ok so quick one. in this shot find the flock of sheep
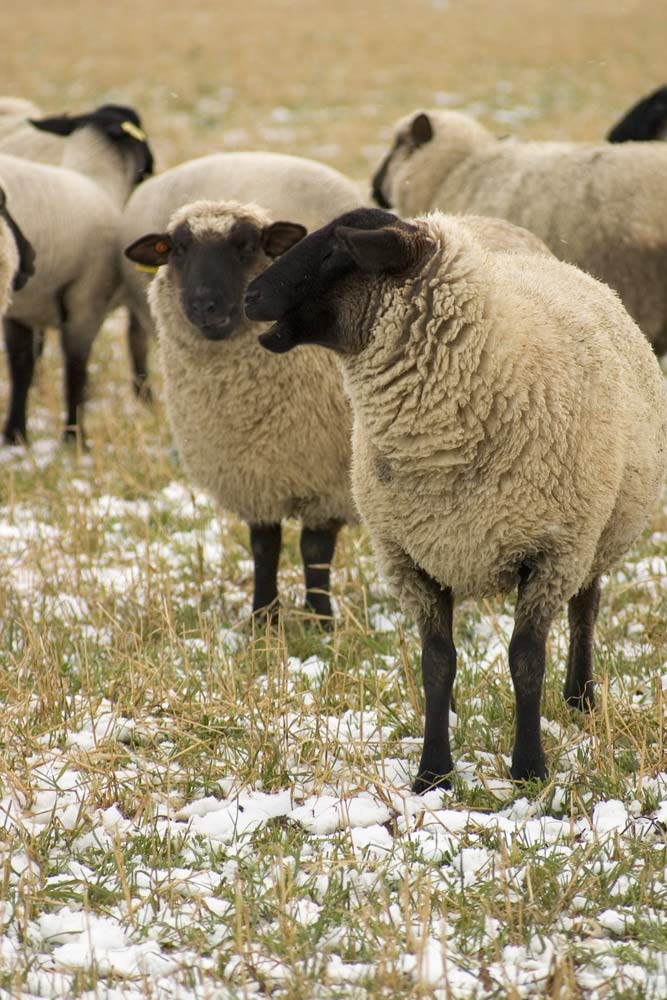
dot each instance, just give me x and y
(478, 388)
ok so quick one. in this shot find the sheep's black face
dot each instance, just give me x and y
(419, 132)
(317, 289)
(213, 274)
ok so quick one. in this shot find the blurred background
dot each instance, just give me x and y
(328, 79)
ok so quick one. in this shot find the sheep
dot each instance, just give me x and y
(17, 257)
(646, 120)
(287, 185)
(71, 218)
(510, 427)
(268, 439)
(597, 206)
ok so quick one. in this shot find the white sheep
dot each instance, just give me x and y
(71, 219)
(599, 206)
(510, 430)
(289, 186)
(268, 438)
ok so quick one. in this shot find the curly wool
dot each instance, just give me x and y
(506, 411)
(267, 436)
(598, 206)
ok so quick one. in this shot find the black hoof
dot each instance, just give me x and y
(266, 614)
(583, 702)
(529, 770)
(321, 610)
(11, 437)
(426, 781)
(143, 391)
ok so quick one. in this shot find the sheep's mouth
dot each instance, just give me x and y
(277, 339)
(221, 328)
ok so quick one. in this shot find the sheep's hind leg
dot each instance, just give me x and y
(438, 673)
(265, 542)
(317, 551)
(582, 614)
(76, 349)
(21, 362)
(527, 656)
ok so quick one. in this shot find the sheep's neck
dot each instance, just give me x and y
(89, 153)
(420, 388)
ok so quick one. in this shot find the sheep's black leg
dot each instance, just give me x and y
(582, 613)
(21, 363)
(527, 656)
(265, 540)
(438, 673)
(317, 550)
(137, 341)
(76, 371)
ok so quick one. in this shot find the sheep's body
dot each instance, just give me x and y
(71, 218)
(510, 429)
(289, 187)
(267, 437)
(529, 420)
(72, 226)
(600, 207)
(9, 262)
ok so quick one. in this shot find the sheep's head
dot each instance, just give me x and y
(120, 124)
(212, 250)
(321, 291)
(26, 253)
(410, 135)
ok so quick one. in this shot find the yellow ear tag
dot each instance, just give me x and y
(148, 268)
(133, 130)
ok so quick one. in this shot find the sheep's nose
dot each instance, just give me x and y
(251, 296)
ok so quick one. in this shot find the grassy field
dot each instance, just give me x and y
(188, 809)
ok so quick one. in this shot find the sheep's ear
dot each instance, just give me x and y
(150, 252)
(278, 237)
(57, 124)
(380, 251)
(421, 130)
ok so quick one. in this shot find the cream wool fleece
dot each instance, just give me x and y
(9, 263)
(267, 436)
(599, 206)
(506, 409)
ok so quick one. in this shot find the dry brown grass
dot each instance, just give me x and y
(344, 70)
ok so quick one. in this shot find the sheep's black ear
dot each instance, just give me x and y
(57, 124)
(150, 252)
(421, 130)
(389, 250)
(280, 236)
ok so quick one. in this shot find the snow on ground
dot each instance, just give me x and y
(144, 882)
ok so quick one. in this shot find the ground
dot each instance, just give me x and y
(188, 809)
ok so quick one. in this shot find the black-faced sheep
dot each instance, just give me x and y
(510, 431)
(600, 207)
(268, 438)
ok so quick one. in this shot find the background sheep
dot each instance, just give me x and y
(14, 115)
(17, 257)
(289, 186)
(597, 206)
(268, 438)
(645, 121)
(71, 220)
(509, 430)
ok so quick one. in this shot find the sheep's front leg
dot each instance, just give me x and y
(438, 673)
(138, 338)
(582, 613)
(527, 656)
(265, 542)
(76, 345)
(317, 551)
(21, 363)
